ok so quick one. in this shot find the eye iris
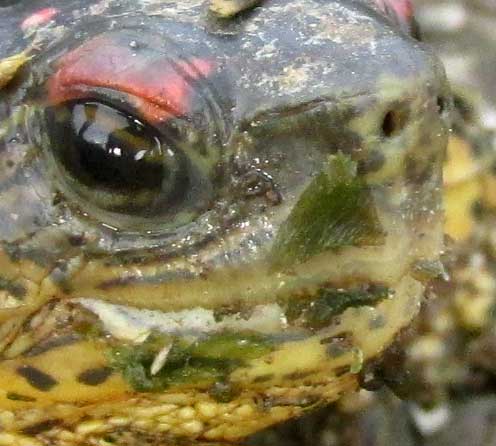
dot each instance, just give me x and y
(115, 154)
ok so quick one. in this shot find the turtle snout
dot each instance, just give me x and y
(402, 127)
(379, 179)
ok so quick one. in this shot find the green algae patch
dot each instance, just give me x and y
(334, 211)
(204, 362)
(233, 346)
(318, 312)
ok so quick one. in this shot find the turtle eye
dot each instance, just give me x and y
(116, 161)
(105, 147)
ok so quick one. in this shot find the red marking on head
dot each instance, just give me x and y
(39, 18)
(158, 87)
(403, 9)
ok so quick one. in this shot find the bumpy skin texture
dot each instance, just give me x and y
(305, 141)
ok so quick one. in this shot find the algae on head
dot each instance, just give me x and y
(318, 312)
(334, 211)
(203, 362)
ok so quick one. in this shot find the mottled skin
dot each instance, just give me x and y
(451, 363)
(276, 113)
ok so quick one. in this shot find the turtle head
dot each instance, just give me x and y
(238, 208)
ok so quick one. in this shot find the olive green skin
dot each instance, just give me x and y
(297, 85)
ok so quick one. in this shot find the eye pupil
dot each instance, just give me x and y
(114, 150)
(118, 153)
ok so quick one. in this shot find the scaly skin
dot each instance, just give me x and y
(208, 225)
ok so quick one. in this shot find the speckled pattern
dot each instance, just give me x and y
(305, 139)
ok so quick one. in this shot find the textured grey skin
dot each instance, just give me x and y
(302, 62)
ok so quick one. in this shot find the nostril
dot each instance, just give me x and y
(395, 121)
(441, 104)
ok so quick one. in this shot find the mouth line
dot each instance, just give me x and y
(247, 287)
(294, 318)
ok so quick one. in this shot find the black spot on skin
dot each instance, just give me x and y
(299, 374)
(263, 378)
(18, 397)
(52, 343)
(36, 378)
(38, 428)
(340, 371)
(77, 240)
(338, 345)
(156, 279)
(94, 377)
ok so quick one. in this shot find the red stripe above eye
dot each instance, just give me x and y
(39, 18)
(158, 88)
(402, 8)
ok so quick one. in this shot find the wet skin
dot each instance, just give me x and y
(208, 225)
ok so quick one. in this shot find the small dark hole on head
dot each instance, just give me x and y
(394, 121)
(441, 104)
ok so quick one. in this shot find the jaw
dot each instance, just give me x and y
(291, 357)
(280, 380)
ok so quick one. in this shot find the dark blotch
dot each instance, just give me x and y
(442, 104)
(38, 379)
(300, 374)
(338, 345)
(94, 377)
(12, 396)
(38, 428)
(395, 120)
(263, 378)
(223, 391)
(52, 343)
(77, 240)
(340, 371)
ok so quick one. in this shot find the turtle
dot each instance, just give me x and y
(215, 215)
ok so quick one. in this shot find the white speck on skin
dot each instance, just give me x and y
(160, 359)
